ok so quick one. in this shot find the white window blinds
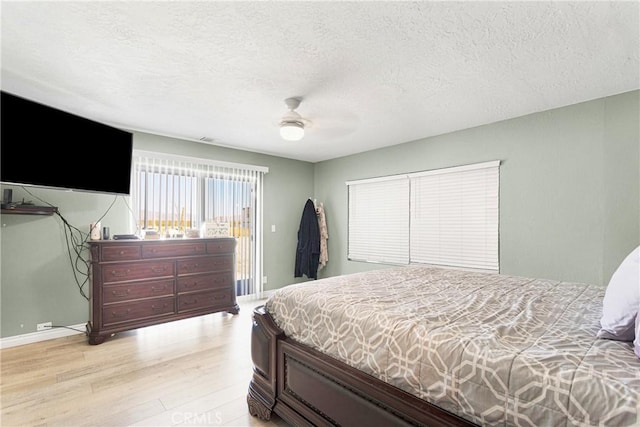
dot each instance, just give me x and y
(379, 220)
(454, 217)
(444, 217)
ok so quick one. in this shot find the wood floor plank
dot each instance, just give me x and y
(189, 372)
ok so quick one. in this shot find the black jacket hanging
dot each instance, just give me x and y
(308, 250)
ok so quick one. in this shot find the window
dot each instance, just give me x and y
(378, 220)
(444, 217)
(176, 195)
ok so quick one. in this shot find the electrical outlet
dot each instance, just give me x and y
(43, 326)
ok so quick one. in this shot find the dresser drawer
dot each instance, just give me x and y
(137, 290)
(173, 249)
(121, 252)
(205, 264)
(221, 246)
(131, 311)
(201, 282)
(204, 300)
(138, 270)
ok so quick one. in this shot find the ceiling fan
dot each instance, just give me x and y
(292, 124)
(329, 121)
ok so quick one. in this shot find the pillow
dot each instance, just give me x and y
(621, 300)
(636, 343)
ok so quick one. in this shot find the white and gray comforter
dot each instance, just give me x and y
(494, 349)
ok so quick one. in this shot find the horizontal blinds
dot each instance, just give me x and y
(454, 217)
(379, 221)
(443, 217)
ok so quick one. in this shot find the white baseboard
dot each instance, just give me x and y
(254, 297)
(267, 294)
(49, 334)
(81, 328)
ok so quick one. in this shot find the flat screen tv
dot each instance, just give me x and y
(47, 147)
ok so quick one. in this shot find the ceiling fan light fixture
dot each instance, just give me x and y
(292, 124)
(292, 130)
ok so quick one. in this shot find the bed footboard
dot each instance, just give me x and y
(262, 388)
(307, 388)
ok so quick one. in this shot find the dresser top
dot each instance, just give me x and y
(185, 240)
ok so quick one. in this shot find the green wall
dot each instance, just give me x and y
(569, 205)
(36, 278)
(37, 284)
(569, 187)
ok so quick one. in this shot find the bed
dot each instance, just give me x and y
(429, 346)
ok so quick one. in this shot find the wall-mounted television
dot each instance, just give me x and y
(46, 147)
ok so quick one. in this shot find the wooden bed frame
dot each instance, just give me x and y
(307, 388)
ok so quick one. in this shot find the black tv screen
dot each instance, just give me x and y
(47, 147)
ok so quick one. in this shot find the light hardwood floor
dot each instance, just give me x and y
(188, 372)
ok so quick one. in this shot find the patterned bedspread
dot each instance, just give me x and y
(494, 349)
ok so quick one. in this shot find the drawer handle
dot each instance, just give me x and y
(121, 293)
(190, 266)
(121, 252)
(194, 283)
(219, 296)
(154, 308)
(158, 270)
(195, 301)
(120, 273)
(121, 314)
(154, 289)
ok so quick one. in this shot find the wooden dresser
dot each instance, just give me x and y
(138, 283)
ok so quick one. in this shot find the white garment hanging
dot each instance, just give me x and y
(324, 235)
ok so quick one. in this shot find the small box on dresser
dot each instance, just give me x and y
(137, 283)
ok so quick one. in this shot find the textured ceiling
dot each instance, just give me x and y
(371, 74)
